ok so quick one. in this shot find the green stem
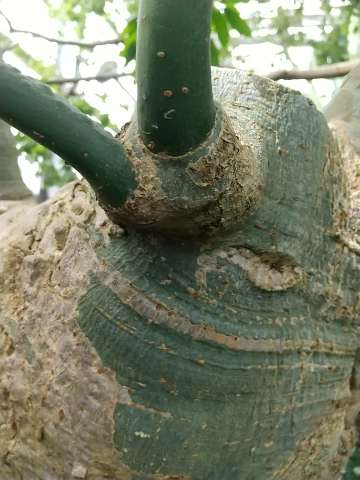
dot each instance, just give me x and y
(33, 108)
(175, 109)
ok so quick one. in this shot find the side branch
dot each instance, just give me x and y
(59, 41)
(99, 78)
(34, 109)
(323, 71)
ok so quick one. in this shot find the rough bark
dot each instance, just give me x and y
(129, 355)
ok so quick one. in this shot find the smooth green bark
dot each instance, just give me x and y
(175, 104)
(34, 109)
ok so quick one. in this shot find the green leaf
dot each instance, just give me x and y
(128, 37)
(221, 27)
(215, 54)
(239, 24)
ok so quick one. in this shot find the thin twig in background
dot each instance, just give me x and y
(60, 41)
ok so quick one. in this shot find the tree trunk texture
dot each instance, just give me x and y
(134, 356)
(11, 184)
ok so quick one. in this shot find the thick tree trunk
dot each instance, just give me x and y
(14, 195)
(133, 356)
(11, 184)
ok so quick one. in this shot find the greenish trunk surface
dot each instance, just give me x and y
(238, 355)
(353, 467)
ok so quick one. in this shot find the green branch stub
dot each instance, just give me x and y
(207, 191)
(175, 109)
